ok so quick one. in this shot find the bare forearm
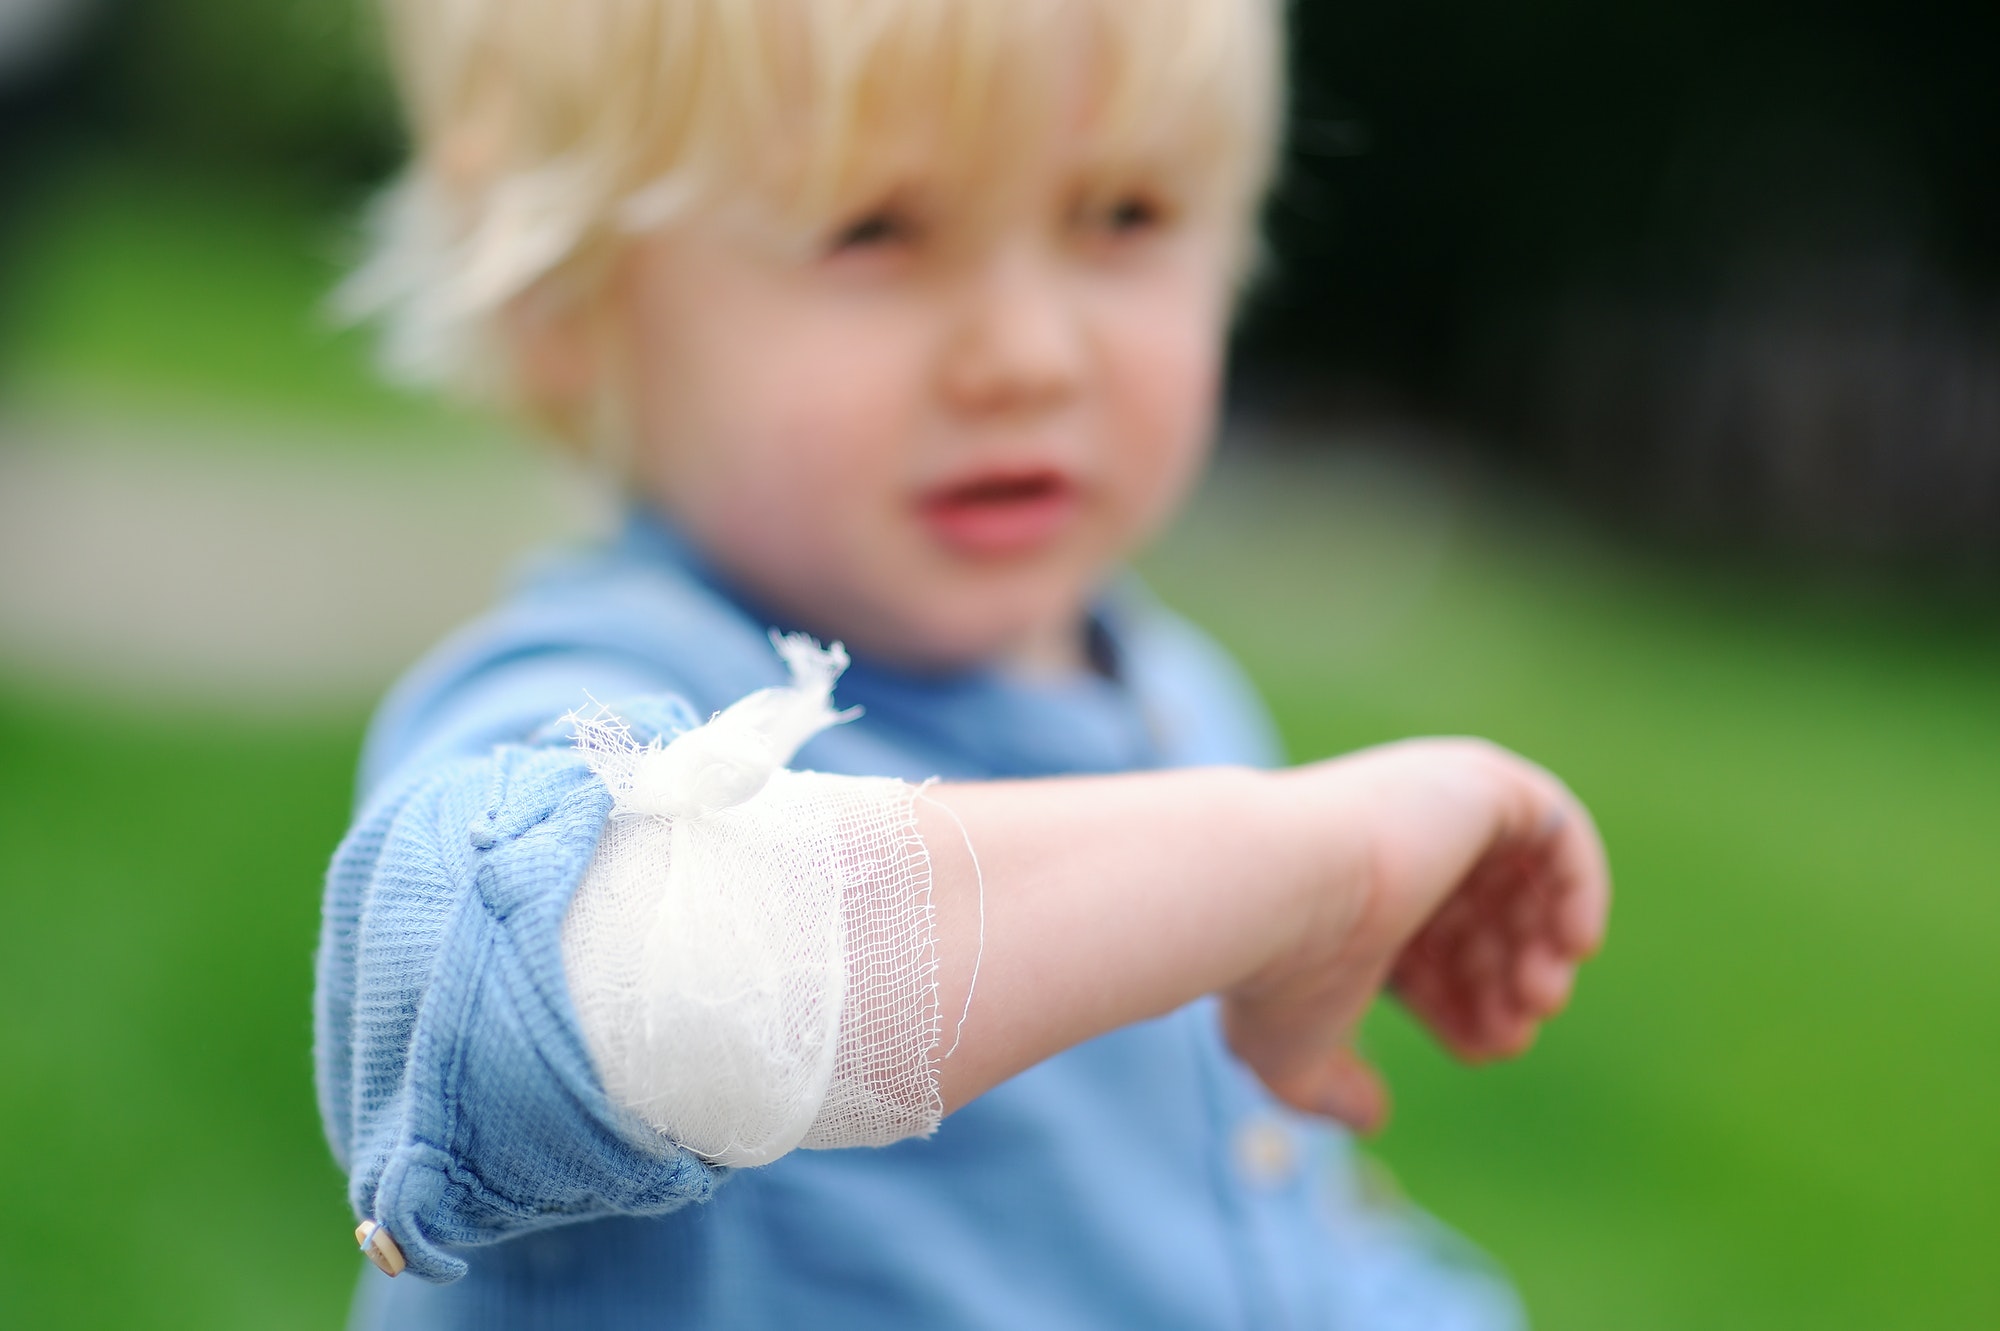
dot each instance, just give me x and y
(1296, 895)
(1106, 900)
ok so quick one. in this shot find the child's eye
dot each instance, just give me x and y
(1130, 214)
(882, 228)
(1125, 216)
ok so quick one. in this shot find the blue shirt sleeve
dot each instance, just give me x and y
(454, 1082)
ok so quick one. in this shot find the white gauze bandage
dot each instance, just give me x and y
(752, 954)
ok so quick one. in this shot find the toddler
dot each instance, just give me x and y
(843, 899)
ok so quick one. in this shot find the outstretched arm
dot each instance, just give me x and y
(1469, 878)
(765, 959)
(477, 1080)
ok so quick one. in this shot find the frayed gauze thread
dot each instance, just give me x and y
(753, 951)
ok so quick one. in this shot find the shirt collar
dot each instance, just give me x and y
(975, 721)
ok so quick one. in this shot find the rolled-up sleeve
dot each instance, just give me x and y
(455, 1087)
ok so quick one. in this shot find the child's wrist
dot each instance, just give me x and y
(1314, 839)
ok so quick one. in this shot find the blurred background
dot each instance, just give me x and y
(1625, 387)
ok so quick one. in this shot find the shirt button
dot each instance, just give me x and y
(1265, 1152)
(379, 1248)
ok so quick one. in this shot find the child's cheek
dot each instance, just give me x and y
(821, 457)
(813, 418)
(1162, 392)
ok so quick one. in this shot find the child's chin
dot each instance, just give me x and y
(991, 627)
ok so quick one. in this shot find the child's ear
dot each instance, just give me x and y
(554, 334)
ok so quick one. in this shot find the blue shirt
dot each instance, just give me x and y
(1142, 1179)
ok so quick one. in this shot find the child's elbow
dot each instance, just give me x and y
(455, 1088)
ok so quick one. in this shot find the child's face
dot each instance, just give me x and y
(930, 434)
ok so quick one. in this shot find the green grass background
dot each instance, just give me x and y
(1774, 1103)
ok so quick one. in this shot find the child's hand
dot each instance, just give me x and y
(1484, 885)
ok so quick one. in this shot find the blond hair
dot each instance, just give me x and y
(545, 129)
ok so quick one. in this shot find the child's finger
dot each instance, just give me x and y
(1527, 913)
(1420, 987)
(1580, 879)
(1583, 902)
(1507, 1026)
(1351, 1091)
(1483, 960)
(1335, 1083)
(1436, 992)
(1542, 980)
(1506, 1032)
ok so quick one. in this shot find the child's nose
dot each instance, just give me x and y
(1017, 346)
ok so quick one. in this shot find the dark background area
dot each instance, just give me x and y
(1729, 268)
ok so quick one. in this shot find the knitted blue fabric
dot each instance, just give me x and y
(1141, 1179)
(454, 1085)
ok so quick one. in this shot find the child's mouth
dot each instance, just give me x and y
(999, 513)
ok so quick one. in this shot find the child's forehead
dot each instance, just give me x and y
(965, 99)
(982, 169)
